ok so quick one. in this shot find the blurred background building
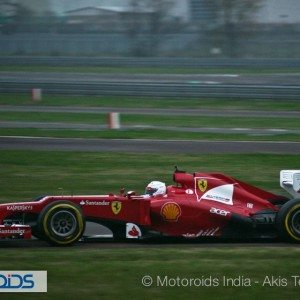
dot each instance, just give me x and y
(201, 28)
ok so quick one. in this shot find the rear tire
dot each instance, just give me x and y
(61, 223)
(288, 221)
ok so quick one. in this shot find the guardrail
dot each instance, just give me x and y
(256, 63)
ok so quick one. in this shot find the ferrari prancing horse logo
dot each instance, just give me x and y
(116, 207)
(202, 185)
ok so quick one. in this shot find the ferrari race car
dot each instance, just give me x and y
(197, 205)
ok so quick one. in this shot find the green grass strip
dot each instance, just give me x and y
(146, 70)
(145, 134)
(78, 273)
(27, 174)
(138, 102)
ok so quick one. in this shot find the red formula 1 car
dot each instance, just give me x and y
(198, 205)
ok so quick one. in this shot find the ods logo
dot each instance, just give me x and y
(16, 281)
(23, 281)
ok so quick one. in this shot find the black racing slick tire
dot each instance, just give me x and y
(288, 221)
(61, 223)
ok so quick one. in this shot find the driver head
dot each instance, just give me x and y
(155, 188)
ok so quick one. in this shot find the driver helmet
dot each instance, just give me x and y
(155, 188)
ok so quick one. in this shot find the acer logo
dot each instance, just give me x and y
(218, 211)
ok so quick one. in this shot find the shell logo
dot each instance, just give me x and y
(170, 211)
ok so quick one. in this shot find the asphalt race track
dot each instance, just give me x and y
(143, 145)
(290, 79)
(275, 86)
(110, 244)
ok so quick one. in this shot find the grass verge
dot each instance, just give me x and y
(133, 102)
(28, 174)
(155, 120)
(117, 273)
(146, 134)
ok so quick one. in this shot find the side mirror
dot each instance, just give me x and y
(130, 194)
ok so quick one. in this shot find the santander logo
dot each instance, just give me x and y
(133, 232)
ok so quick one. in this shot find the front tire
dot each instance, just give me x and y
(288, 221)
(61, 223)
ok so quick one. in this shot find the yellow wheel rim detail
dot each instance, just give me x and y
(79, 219)
(287, 227)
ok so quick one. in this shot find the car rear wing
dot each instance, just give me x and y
(290, 181)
